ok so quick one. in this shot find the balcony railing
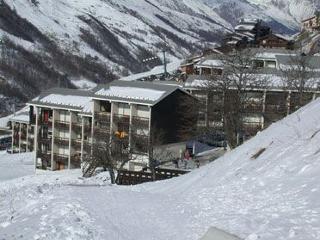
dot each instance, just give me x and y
(140, 143)
(47, 123)
(77, 127)
(62, 124)
(87, 128)
(140, 121)
(103, 117)
(121, 118)
(253, 109)
(87, 146)
(44, 156)
(102, 134)
(43, 140)
(61, 158)
(76, 143)
(61, 141)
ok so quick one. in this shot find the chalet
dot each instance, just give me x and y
(311, 24)
(246, 33)
(68, 122)
(274, 41)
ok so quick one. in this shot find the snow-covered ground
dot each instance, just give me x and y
(14, 166)
(266, 189)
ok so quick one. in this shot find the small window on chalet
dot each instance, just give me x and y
(271, 64)
(258, 64)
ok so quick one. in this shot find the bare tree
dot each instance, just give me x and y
(109, 155)
(299, 75)
(238, 78)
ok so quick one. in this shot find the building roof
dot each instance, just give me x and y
(138, 92)
(308, 19)
(272, 78)
(135, 92)
(22, 117)
(312, 62)
(245, 27)
(73, 99)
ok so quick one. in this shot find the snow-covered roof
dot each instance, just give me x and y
(5, 120)
(137, 92)
(210, 63)
(131, 93)
(72, 99)
(22, 117)
(271, 78)
(158, 70)
(245, 27)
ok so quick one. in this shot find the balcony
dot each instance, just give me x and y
(44, 123)
(62, 124)
(61, 158)
(140, 122)
(77, 127)
(87, 146)
(76, 143)
(140, 144)
(253, 109)
(87, 128)
(44, 156)
(104, 117)
(76, 161)
(61, 141)
(102, 134)
(117, 118)
(45, 140)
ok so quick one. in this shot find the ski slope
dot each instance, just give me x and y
(266, 189)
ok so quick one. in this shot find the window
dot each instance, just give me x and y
(258, 64)
(271, 64)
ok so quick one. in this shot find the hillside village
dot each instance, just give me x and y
(62, 126)
(245, 113)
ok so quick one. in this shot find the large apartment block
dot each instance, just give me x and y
(69, 122)
(266, 103)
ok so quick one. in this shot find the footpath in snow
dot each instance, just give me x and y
(266, 189)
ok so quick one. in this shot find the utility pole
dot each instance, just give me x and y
(165, 62)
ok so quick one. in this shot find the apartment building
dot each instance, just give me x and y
(268, 103)
(22, 133)
(68, 122)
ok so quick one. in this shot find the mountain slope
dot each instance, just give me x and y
(50, 42)
(46, 43)
(266, 189)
